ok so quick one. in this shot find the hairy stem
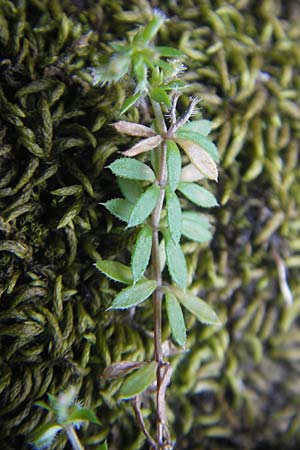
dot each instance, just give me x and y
(161, 431)
(73, 438)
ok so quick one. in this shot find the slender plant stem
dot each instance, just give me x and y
(157, 272)
(73, 438)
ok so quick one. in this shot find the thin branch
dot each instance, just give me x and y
(73, 438)
(162, 433)
(136, 404)
(187, 115)
(173, 109)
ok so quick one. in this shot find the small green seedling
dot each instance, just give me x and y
(68, 416)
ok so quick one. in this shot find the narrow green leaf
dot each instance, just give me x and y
(159, 95)
(167, 67)
(154, 157)
(115, 270)
(83, 414)
(200, 309)
(174, 216)
(197, 194)
(195, 226)
(119, 207)
(131, 189)
(149, 31)
(102, 446)
(144, 206)
(203, 141)
(44, 405)
(169, 52)
(175, 84)
(140, 70)
(119, 48)
(176, 261)
(141, 253)
(133, 295)
(176, 318)
(132, 169)
(173, 164)
(44, 436)
(139, 381)
(198, 126)
(129, 102)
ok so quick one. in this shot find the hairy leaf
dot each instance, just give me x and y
(174, 216)
(139, 381)
(143, 146)
(176, 261)
(132, 169)
(115, 270)
(196, 306)
(119, 207)
(175, 84)
(200, 158)
(198, 194)
(140, 71)
(85, 415)
(113, 70)
(173, 164)
(131, 189)
(175, 317)
(133, 295)
(202, 141)
(144, 206)
(141, 253)
(149, 31)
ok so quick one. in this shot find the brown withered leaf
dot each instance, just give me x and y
(190, 173)
(120, 369)
(143, 146)
(200, 158)
(134, 129)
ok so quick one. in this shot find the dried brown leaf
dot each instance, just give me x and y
(200, 158)
(120, 369)
(143, 146)
(134, 129)
(190, 173)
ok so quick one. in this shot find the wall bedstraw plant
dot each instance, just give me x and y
(151, 187)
